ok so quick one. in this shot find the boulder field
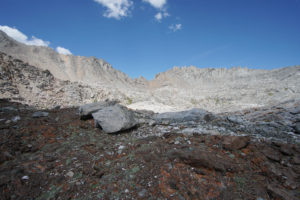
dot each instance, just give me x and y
(194, 154)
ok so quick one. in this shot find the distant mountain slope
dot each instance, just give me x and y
(221, 89)
(65, 67)
(28, 84)
(193, 77)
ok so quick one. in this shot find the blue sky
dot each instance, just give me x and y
(145, 37)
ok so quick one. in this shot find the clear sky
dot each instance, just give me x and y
(145, 37)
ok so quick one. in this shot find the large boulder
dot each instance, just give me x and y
(86, 111)
(183, 116)
(114, 118)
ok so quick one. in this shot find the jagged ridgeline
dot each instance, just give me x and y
(40, 76)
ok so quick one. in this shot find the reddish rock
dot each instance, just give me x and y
(235, 142)
(200, 158)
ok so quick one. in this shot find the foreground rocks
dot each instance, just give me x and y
(63, 157)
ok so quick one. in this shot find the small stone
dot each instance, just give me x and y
(232, 156)
(107, 163)
(235, 119)
(209, 117)
(70, 174)
(15, 119)
(7, 122)
(40, 114)
(142, 193)
(8, 109)
(142, 121)
(176, 142)
(235, 142)
(152, 123)
(25, 178)
(126, 191)
(56, 107)
(121, 147)
(295, 111)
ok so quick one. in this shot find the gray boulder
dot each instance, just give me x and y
(295, 110)
(40, 114)
(86, 111)
(114, 118)
(235, 119)
(183, 116)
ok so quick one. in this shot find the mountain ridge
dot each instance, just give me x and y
(66, 67)
(179, 88)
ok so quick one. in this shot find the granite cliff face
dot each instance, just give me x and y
(216, 90)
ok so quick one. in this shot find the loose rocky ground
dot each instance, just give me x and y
(228, 156)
